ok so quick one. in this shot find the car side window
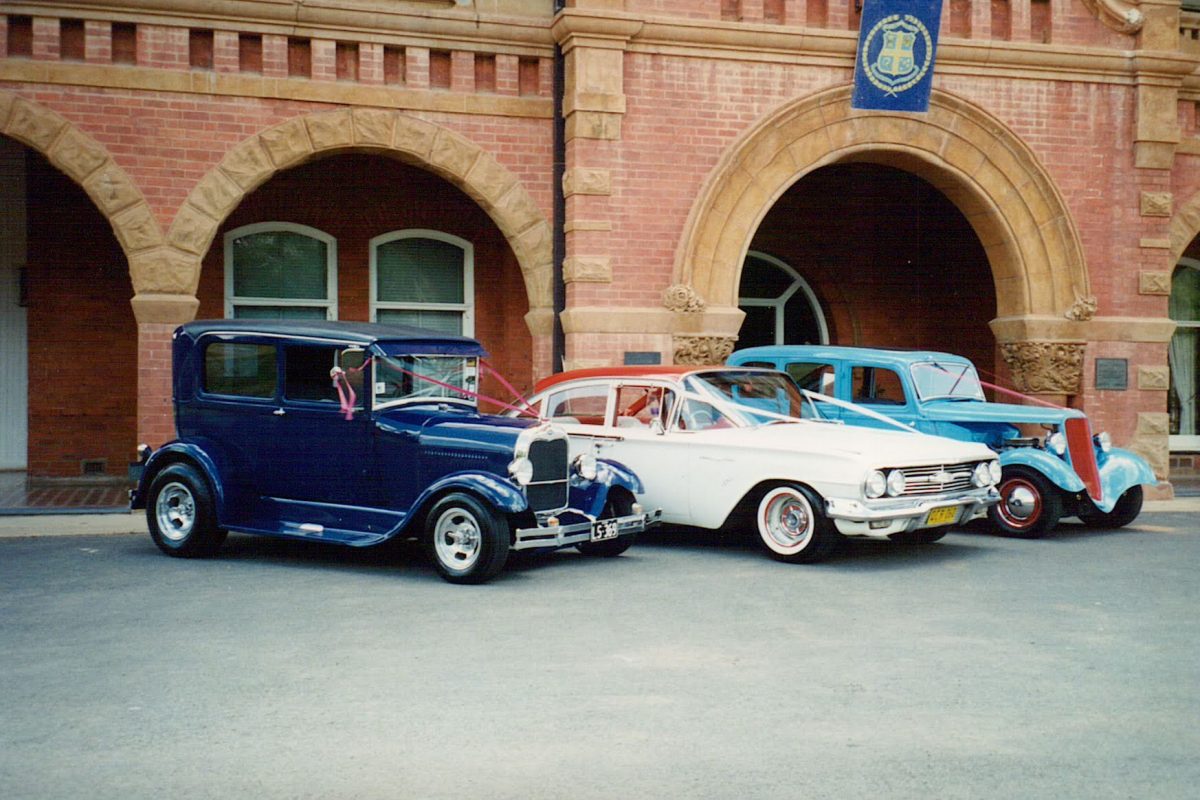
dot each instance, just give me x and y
(638, 406)
(878, 386)
(814, 377)
(306, 373)
(696, 415)
(583, 405)
(240, 369)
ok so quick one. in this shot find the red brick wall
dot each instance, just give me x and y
(83, 348)
(355, 198)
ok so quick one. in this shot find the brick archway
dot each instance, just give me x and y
(1002, 189)
(88, 163)
(425, 144)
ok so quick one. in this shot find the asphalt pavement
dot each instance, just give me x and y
(693, 666)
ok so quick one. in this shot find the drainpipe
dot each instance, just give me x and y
(559, 247)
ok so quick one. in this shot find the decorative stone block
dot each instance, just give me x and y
(287, 143)
(373, 126)
(165, 271)
(454, 155)
(193, 230)
(247, 164)
(587, 269)
(414, 136)
(111, 189)
(1153, 379)
(136, 228)
(216, 195)
(34, 125)
(1156, 204)
(77, 155)
(587, 180)
(1154, 283)
(328, 131)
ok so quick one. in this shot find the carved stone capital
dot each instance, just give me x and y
(702, 350)
(1045, 367)
(683, 299)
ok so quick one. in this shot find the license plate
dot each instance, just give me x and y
(604, 529)
(942, 516)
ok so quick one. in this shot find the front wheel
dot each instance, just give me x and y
(792, 526)
(468, 541)
(1124, 512)
(1030, 505)
(181, 515)
(618, 506)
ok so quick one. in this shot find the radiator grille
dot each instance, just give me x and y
(938, 479)
(548, 489)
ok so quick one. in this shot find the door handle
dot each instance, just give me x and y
(279, 412)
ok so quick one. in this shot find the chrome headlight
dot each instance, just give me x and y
(1057, 442)
(1103, 441)
(521, 470)
(996, 472)
(896, 483)
(982, 476)
(875, 484)
(585, 465)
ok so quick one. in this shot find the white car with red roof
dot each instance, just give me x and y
(721, 446)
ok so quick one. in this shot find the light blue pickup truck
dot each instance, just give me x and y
(1053, 466)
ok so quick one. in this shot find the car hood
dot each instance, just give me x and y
(884, 447)
(980, 411)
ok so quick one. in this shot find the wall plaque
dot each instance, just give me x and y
(635, 357)
(1112, 373)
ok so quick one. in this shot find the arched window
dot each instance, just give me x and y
(279, 270)
(1185, 356)
(424, 278)
(780, 306)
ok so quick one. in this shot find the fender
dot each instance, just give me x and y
(1056, 470)
(503, 495)
(175, 452)
(1121, 470)
(590, 496)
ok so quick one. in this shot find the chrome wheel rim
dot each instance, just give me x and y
(1020, 503)
(175, 511)
(457, 539)
(785, 521)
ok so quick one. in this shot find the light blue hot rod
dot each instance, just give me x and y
(1053, 466)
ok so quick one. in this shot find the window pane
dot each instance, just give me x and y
(419, 271)
(441, 321)
(877, 385)
(762, 279)
(306, 373)
(280, 264)
(245, 370)
(278, 312)
(1185, 295)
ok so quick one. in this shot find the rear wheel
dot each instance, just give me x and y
(181, 515)
(1124, 512)
(1030, 505)
(618, 505)
(792, 526)
(467, 540)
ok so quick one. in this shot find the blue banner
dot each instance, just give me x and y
(893, 66)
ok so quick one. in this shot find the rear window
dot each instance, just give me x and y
(240, 370)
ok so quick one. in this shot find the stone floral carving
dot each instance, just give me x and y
(1045, 367)
(703, 350)
(684, 299)
(1083, 309)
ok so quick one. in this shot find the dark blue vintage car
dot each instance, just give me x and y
(356, 433)
(1052, 465)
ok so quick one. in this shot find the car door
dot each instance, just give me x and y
(319, 454)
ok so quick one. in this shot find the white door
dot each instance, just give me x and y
(14, 393)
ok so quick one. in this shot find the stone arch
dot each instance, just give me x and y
(984, 168)
(1185, 226)
(88, 163)
(425, 144)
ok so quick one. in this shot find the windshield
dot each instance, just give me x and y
(946, 379)
(772, 393)
(407, 378)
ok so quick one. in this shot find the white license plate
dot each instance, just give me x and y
(604, 529)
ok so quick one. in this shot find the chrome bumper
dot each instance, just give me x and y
(576, 532)
(856, 518)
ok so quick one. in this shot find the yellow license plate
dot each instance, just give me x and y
(945, 515)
